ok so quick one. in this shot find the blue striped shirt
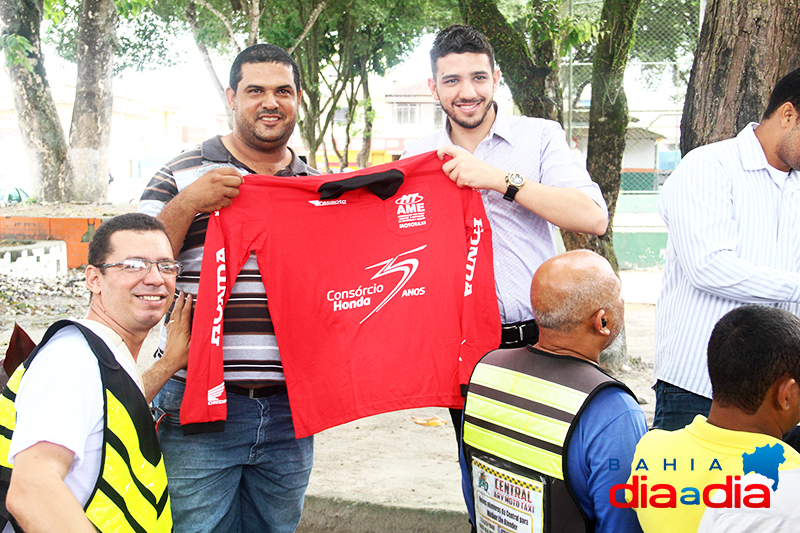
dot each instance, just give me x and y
(733, 239)
(521, 240)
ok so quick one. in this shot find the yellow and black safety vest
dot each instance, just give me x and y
(521, 409)
(130, 494)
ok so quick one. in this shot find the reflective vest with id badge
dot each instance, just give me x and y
(521, 409)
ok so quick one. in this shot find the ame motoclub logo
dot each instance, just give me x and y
(735, 492)
(362, 296)
(411, 210)
(409, 199)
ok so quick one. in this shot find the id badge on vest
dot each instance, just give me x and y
(506, 502)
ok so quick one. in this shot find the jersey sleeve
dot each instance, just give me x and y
(204, 402)
(481, 316)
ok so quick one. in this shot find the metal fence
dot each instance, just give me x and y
(655, 85)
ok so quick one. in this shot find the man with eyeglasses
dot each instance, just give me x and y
(77, 438)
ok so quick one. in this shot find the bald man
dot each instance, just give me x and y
(547, 433)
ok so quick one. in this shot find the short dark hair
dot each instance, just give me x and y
(100, 245)
(460, 39)
(262, 53)
(750, 349)
(786, 90)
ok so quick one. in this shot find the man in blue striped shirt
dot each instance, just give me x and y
(732, 209)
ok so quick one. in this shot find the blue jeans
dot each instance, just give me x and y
(677, 407)
(250, 478)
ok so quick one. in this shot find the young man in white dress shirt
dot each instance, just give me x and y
(529, 179)
(732, 210)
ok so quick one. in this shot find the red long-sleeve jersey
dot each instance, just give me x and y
(380, 285)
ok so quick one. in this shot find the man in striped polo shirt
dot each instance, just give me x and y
(250, 473)
(732, 210)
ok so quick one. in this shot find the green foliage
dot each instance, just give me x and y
(666, 37)
(547, 20)
(131, 8)
(55, 10)
(16, 48)
(576, 33)
(145, 40)
(667, 32)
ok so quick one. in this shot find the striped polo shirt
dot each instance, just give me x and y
(250, 351)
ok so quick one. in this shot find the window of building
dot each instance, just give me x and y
(438, 116)
(407, 113)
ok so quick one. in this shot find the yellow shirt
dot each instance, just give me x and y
(692, 458)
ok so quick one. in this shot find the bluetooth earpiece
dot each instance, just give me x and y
(603, 322)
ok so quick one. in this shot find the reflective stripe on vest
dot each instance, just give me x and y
(520, 418)
(131, 492)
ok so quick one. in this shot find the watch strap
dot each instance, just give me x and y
(515, 182)
(511, 192)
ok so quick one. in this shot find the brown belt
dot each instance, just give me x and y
(258, 392)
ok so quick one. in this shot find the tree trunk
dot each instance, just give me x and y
(532, 85)
(253, 20)
(90, 132)
(608, 123)
(325, 163)
(307, 57)
(41, 129)
(351, 96)
(190, 14)
(745, 47)
(362, 160)
(321, 95)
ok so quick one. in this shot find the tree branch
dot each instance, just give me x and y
(225, 22)
(190, 15)
(311, 20)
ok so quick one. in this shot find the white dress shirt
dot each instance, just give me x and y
(733, 225)
(537, 149)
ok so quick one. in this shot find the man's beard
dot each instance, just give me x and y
(473, 122)
(788, 150)
(251, 127)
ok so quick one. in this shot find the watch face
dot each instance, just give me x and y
(515, 179)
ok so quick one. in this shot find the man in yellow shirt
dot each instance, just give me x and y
(754, 366)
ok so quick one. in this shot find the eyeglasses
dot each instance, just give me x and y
(138, 265)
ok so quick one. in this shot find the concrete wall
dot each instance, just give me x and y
(75, 232)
